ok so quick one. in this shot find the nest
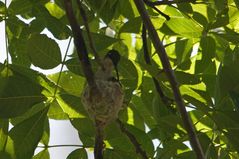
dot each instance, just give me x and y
(103, 106)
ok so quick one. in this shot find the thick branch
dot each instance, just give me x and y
(133, 140)
(80, 45)
(99, 143)
(173, 82)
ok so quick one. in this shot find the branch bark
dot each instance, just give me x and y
(133, 140)
(85, 20)
(171, 77)
(80, 45)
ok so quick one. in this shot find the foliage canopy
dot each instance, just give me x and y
(201, 40)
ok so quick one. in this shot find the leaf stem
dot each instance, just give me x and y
(55, 146)
(64, 59)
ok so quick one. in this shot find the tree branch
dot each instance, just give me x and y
(166, 2)
(99, 142)
(84, 17)
(133, 140)
(80, 45)
(170, 74)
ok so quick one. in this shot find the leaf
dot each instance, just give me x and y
(129, 74)
(101, 42)
(42, 155)
(116, 154)
(85, 129)
(24, 137)
(17, 48)
(20, 6)
(185, 27)
(71, 105)
(183, 49)
(17, 94)
(235, 98)
(227, 122)
(132, 25)
(200, 18)
(55, 10)
(143, 139)
(70, 82)
(56, 112)
(78, 154)
(43, 51)
(36, 78)
(237, 3)
(4, 125)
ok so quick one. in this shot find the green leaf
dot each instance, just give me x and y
(15, 27)
(129, 75)
(101, 42)
(17, 94)
(183, 49)
(127, 9)
(237, 3)
(235, 98)
(143, 139)
(24, 137)
(36, 78)
(43, 51)
(85, 129)
(71, 83)
(78, 154)
(4, 125)
(116, 154)
(227, 122)
(200, 18)
(56, 112)
(42, 155)
(55, 10)
(230, 35)
(132, 25)
(71, 105)
(185, 27)
(18, 51)
(20, 6)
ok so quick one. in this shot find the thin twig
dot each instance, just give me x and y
(6, 37)
(80, 45)
(64, 59)
(166, 100)
(171, 77)
(54, 146)
(167, 17)
(133, 140)
(167, 2)
(84, 17)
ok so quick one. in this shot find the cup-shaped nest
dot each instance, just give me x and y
(103, 106)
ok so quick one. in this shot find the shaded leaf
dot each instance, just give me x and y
(78, 154)
(17, 94)
(24, 137)
(43, 51)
